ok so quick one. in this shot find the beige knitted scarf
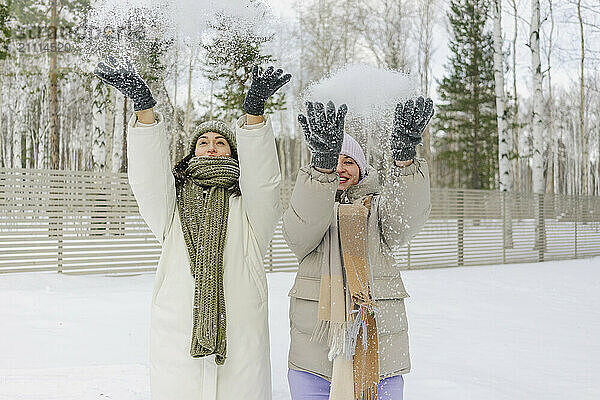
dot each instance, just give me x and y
(346, 307)
(203, 202)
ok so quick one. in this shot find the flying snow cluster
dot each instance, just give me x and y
(116, 23)
(368, 91)
(371, 95)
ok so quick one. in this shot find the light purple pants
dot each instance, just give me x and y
(307, 386)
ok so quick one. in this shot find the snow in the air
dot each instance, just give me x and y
(507, 332)
(186, 20)
(364, 89)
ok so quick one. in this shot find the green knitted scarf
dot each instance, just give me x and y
(203, 202)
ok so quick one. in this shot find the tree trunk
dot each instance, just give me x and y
(109, 128)
(188, 111)
(124, 143)
(425, 39)
(98, 127)
(515, 129)
(2, 156)
(551, 186)
(504, 142)
(117, 132)
(538, 106)
(54, 123)
(584, 145)
(211, 100)
(475, 177)
(29, 148)
(537, 170)
(64, 152)
(18, 125)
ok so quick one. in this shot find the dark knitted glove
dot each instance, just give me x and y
(324, 133)
(409, 123)
(263, 86)
(121, 74)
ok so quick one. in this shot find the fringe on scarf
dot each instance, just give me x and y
(353, 329)
(342, 337)
(369, 393)
(336, 340)
(336, 335)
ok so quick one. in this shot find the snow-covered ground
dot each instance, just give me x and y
(525, 331)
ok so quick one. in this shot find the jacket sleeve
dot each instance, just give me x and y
(260, 178)
(311, 209)
(150, 176)
(405, 203)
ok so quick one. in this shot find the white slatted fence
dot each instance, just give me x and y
(84, 222)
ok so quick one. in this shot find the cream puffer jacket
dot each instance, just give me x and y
(398, 211)
(174, 374)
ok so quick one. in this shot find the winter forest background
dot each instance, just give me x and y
(515, 82)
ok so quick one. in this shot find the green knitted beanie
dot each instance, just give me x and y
(218, 127)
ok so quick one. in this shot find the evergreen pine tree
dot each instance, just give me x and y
(4, 29)
(230, 57)
(466, 118)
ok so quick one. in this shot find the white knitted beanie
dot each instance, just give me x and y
(351, 148)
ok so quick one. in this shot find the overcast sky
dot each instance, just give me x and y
(565, 67)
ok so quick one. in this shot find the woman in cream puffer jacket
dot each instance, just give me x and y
(225, 192)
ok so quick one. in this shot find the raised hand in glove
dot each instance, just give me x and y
(121, 74)
(324, 133)
(264, 84)
(410, 121)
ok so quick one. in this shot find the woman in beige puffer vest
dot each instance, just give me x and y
(397, 212)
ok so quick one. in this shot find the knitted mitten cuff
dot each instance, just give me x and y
(325, 160)
(253, 104)
(404, 153)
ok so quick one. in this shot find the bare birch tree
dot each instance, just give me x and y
(188, 111)
(387, 31)
(17, 121)
(583, 139)
(553, 148)
(537, 165)
(17, 134)
(330, 33)
(124, 138)
(54, 121)
(109, 126)
(118, 131)
(515, 121)
(504, 138)
(426, 13)
(2, 149)
(504, 142)
(99, 126)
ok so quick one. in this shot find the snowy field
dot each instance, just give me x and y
(525, 331)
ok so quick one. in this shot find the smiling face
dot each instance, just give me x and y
(212, 144)
(349, 172)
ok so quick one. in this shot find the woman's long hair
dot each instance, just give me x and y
(179, 169)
